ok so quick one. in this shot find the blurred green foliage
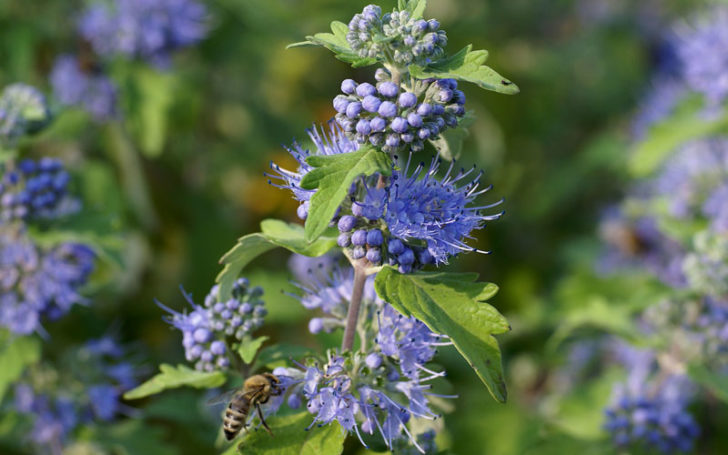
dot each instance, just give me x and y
(190, 157)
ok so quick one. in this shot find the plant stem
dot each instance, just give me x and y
(352, 316)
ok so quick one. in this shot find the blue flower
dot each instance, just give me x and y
(93, 92)
(38, 283)
(331, 142)
(703, 53)
(205, 328)
(436, 211)
(34, 189)
(146, 29)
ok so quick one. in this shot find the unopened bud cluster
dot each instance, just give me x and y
(395, 119)
(22, 110)
(32, 189)
(207, 329)
(405, 40)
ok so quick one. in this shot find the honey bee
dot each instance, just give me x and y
(256, 390)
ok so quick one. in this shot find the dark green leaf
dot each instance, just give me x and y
(249, 347)
(291, 438)
(275, 233)
(716, 383)
(173, 377)
(467, 65)
(333, 177)
(16, 353)
(453, 304)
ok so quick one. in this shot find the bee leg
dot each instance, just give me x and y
(262, 420)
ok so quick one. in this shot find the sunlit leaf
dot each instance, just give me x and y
(172, 377)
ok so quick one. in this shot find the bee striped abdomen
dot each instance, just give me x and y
(235, 416)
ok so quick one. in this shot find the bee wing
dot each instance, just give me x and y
(224, 397)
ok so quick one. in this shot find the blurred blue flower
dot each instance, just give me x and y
(34, 189)
(146, 29)
(91, 91)
(703, 52)
(39, 283)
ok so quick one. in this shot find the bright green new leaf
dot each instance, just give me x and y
(336, 43)
(16, 353)
(416, 8)
(333, 177)
(664, 137)
(716, 383)
(291, 438)
(275, 233)
(154, 92)
(172, 377)
(249, 347)
(467, 65)
(453, 304)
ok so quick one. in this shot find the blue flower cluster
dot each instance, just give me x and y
(377, 390)
(206, 328)
(39, 283)
(703, 53)
(402, 38)
(146, 29)
(414, 220)
(90, 90)
(23, 109)
(32, 189)
(398, 120)
(92, 393)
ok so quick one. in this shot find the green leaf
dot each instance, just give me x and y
(664, 137)
(717, 384)
(292, 439)
(453, 304)
(336, 43)
(416, 8)
(275, 233)
(450, 143)
(249, 347)
(333, 177)
(153, 98)
(467, 65)
(16, 353)
(173, 377)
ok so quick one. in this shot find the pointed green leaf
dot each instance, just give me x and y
(172, 377)
(467, 65)
(336, 43)
(16, 353)
(333, 177)
(416, 8)
(291, 438)
(453, 304)
(249, 347)
(275, 233)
